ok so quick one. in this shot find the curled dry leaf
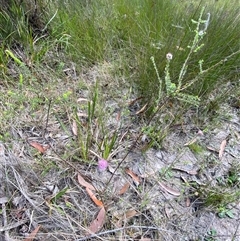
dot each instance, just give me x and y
(84, 183)
(32, 234)
(124, 188)
(135, 178)
(222, 148)
(97, 223)
(38, 146)
(168, 211)
(93, 197)
(74, 128)
(169, 189)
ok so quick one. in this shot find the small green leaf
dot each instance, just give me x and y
(61, 193)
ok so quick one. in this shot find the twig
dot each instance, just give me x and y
(119, 229)
(14, 225)
(134, 143)
(4, 214)
(235, 233)
(48, 112)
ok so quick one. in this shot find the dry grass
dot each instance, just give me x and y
(42, 189)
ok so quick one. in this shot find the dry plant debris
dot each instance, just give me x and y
(157, 194)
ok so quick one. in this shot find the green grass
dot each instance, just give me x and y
(139, 30)
(134, 37)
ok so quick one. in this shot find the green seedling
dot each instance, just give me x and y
(224, 212)
(108, 144)
(196, 148)
(211, 235)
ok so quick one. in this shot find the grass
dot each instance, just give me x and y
(97, 79)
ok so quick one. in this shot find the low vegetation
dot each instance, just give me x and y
(90, 88)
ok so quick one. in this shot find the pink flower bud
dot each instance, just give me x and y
(102, 165)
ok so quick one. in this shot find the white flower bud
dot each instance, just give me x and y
(169, 56)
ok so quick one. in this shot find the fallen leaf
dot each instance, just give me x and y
(141, 110)
(38, 146)
(97, 223)
(135, 178)
(168, 211)
(130, 213)
(222, 148)
(74, 128)
(118, 116)
(211, 149)
(124, 188)
(93, 197)
(82, 100)
(84, 183)
(190, 172)
(132, 102)
(145, 239)
(32, 234)
(191, 142)
(169, 189)
(126, 215)
(188, 202)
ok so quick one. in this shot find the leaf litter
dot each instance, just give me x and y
(98, 223)
(141, 208)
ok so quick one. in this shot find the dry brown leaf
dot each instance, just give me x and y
(74, 128)
(130, 213)
(93, 197)
(169, 189)
(126, 215)
(211, 149)
(124, 188)
(222, 148)
(32, 234)
(188, 202)
(97, 223)
(135, 178)
(84, 183)
(142, 109)
(38, 146)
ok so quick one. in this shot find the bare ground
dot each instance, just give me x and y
(183, 191)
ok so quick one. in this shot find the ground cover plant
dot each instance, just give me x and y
(119, 120)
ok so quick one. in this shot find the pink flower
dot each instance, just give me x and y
(102, 165)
